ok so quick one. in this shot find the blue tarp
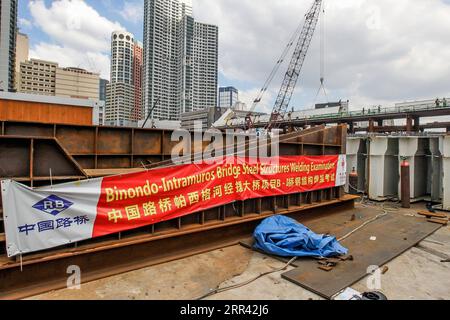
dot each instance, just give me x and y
(285, 237)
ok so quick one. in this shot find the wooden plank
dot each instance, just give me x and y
(442, 222)
(432, 214)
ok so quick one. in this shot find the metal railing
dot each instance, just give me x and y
(365, 112)
(379, 111)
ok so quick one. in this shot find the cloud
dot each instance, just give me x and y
(132, 11)
(248, 96)
(24, 23)
(69, 57)
(377, 51)
(79, 34)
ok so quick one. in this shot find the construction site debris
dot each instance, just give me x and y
(348, 294)
(389, 245)
(384, 270)
(346, 258)
(443, 222)
(326, 268)
(429, 214)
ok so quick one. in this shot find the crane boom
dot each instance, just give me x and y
(296, 64)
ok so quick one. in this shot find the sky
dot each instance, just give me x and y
(376, 51)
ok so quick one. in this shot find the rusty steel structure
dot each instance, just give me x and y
(54, 110)
(38, 154)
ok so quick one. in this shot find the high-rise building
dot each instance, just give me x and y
(47, 78)
(22, 49)
(180, 60)
(102, 89)
(206, 53)
(8, 30)
(122, 52)
(138, 57)
(119, 105)
(228, 97)
(123, 93)
(22, 54)
(38, 77)
(76, 83)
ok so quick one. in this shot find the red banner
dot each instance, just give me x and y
(145, 198)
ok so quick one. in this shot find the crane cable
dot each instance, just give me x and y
(322, 57)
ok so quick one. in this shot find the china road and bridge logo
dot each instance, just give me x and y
(53, 205)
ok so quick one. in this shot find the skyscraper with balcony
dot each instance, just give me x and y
(180, 60)
(123, 93)
(8, 31)
(205, 56)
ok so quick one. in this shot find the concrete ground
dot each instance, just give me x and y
(417, 274)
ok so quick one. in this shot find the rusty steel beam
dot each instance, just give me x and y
(49, 272)
(101, 148)
(106, 149)
(95, 147)
(31, 160)
(315, 141)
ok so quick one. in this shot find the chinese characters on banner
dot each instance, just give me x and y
(48, 217)
(146, 198)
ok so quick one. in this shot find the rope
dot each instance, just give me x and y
(363, 225)
(366, 203)
(322, 57)
(220, 290)
(322, 46)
